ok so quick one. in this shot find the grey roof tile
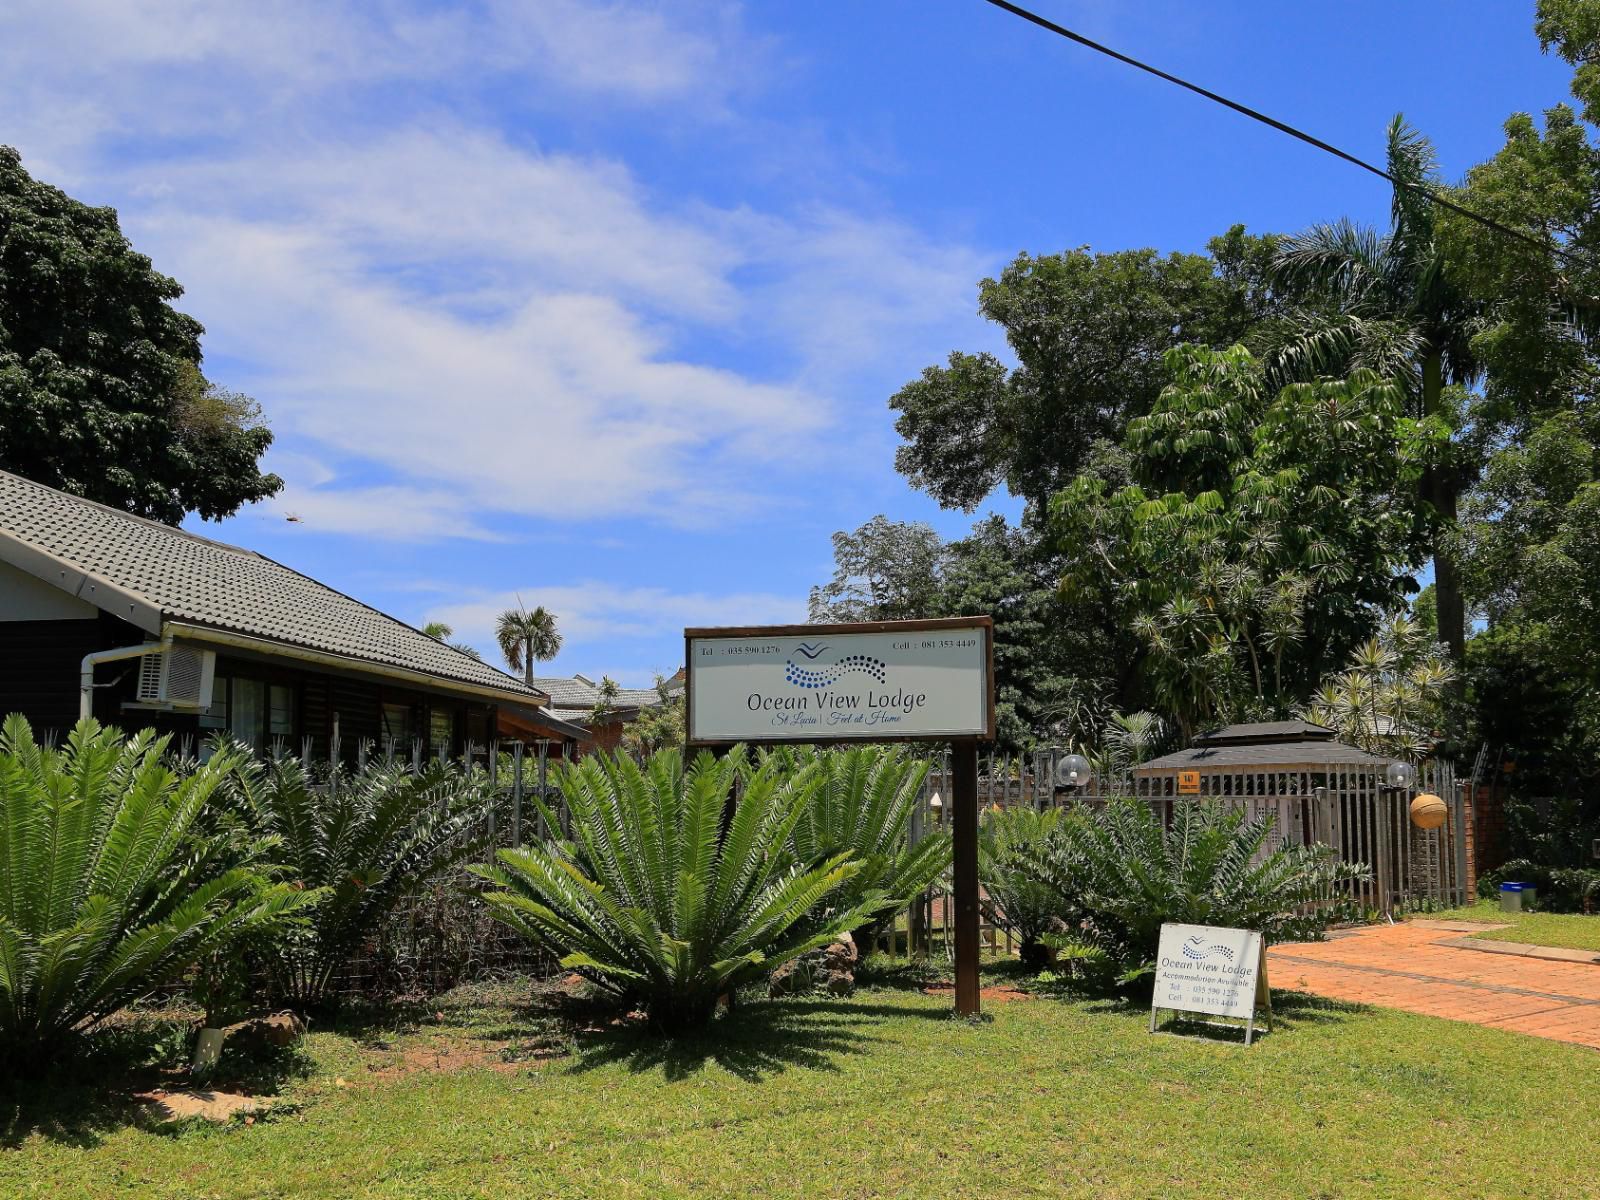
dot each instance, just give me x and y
(573, 698)
(194, 579)
(1266, 754)
(1267, 731)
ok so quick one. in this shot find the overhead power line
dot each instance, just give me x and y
(1283, 127)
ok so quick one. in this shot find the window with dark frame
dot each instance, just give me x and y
(397, 726)
(441, 731)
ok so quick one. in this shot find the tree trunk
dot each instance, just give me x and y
(1439, 489)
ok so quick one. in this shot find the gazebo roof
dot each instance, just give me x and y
(1267, 732)
(1264, 746)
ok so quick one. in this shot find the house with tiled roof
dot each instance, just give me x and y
(576, 698)
(141, 624)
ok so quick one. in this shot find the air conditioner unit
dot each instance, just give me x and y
(179, 677)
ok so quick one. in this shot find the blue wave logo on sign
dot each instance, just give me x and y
(1197, 949)
(826, 676)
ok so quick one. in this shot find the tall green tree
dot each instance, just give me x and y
(884, 571)
(526, 638)
(101, 392)
(1089, 332)
(1531, 532)
(1259, 538)
(1391, 303)
(1058, 662)
(1529, 523)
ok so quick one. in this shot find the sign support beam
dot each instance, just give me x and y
(964, 839)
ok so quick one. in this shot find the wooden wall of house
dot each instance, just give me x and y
(40, 663)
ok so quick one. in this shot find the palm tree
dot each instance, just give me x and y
(526, 638)
(440, 632)
(1386, 302)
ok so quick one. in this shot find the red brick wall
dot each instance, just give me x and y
(1486, 827)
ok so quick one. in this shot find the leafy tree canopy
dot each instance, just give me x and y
(1261, 536)
(1089, 332)
(884, 571)
(1057, 660)
(101, 392)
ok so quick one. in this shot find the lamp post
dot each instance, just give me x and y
(1072, 770)
(1400, 776)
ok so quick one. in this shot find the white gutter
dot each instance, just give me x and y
(94, 659)
(325, 658)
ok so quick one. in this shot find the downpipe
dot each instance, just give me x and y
(86, 683)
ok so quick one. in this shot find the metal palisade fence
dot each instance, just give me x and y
(445, 935)
(1348, 809)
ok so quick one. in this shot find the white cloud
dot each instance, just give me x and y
(596, 609)
(389, 512)
(567, 405)
(419, 293)
(645, 51)
(591, 614)
(459, 213)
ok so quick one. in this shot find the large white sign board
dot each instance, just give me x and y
(1206, 969)
(825, 683)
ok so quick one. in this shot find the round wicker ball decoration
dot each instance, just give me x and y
(1428, 811)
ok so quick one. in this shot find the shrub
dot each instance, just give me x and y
(1559, 832)
(109, 885)
(1125, 873)
(366, 842)
(669, 895)
(1013, 899)
(1559, 889)
(860, 803)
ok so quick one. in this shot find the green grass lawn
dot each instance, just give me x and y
(1573, 931)
(882, 1094)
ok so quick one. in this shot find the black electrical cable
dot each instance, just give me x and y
(1281, 127)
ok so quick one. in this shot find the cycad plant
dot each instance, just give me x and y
(1008, 839)
(366, 842)
(671, 892)
(1125, 873)
(109, 885)
(861, 804)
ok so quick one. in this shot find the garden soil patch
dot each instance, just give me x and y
(988, 995)
(163, 1106)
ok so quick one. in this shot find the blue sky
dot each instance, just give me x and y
(598, 305)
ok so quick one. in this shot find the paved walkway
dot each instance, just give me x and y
(1413, 967)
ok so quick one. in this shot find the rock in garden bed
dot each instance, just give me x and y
(831, 969)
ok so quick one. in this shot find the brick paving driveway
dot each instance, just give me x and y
(1411, 967)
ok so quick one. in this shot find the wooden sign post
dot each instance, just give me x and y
(874, 681)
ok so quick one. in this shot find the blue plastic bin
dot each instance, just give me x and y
(1517, 897)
